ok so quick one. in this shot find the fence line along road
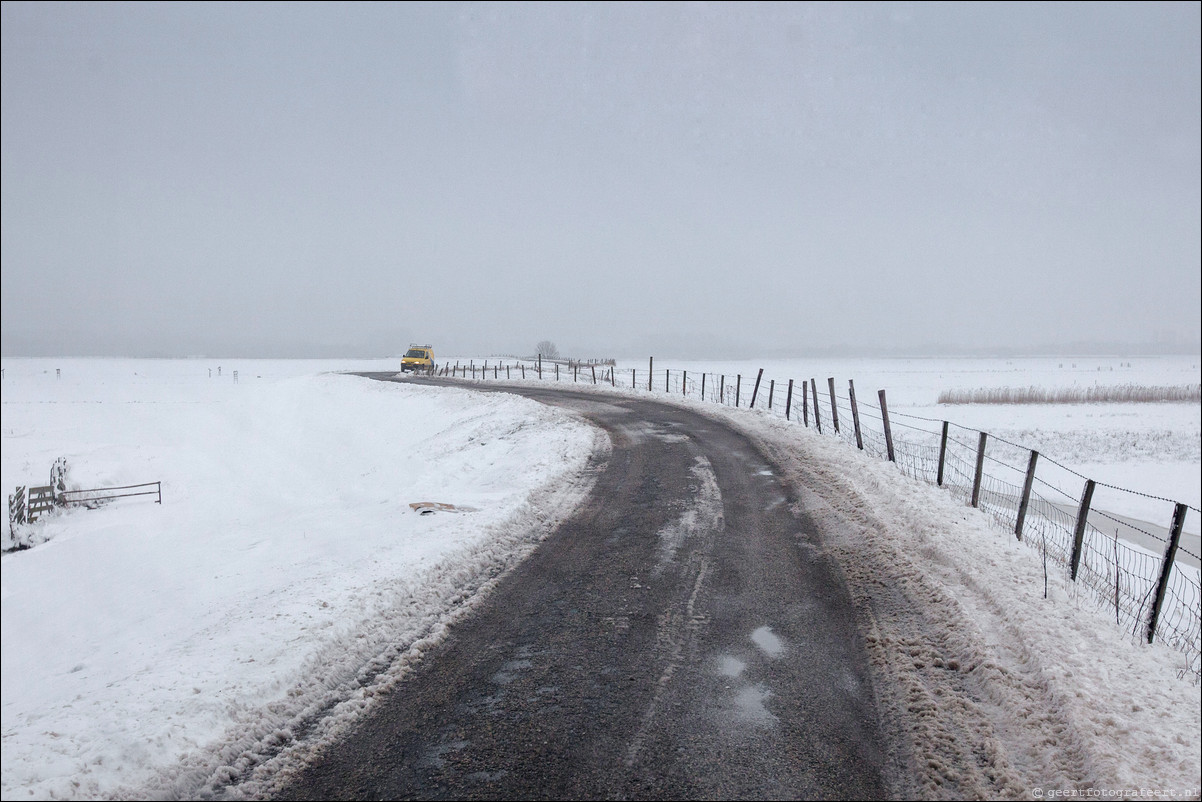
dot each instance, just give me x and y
(1148, 574)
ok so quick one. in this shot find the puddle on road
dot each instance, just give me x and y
(730, 666)
(509, 670)
(433, 756)
(768, 642)
(750, 706)
(639, 431)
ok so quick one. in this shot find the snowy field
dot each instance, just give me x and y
(283, 559)
(1150, 448)
(145, 646)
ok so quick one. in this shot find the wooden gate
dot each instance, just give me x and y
(41, 500)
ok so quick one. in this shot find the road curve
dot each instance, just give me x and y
(682, 636)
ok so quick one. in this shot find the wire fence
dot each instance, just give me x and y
(1147, 575)
(27, 504)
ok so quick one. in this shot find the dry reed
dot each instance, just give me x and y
(1113, 394)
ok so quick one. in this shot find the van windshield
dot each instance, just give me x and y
(415, 352)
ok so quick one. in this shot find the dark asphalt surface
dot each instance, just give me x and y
(682, 636)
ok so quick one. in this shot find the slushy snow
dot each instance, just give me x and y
(167, 651)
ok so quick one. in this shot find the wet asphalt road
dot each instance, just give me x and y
(682, 636)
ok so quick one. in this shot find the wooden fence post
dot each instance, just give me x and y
(1026, 497)
(594, 369)
(942, 455)
(738, 387)
(684, 383)
(976, 477)
(805, 404)
(17, 509)
(830, 382)
(540, 366)
(771, 390)
(885, 422)
(722, 389)
(556, 371)
(667, 381)
(817, 414)
(650, 372)
(1082, 520)
(1166, 568)
(703, 385)
(855, 413)
(756, 390)
(789, 400)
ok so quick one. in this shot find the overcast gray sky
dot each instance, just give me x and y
(624, 179)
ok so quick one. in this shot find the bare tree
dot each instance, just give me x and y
(547, 349)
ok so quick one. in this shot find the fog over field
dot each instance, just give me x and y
(702, 180)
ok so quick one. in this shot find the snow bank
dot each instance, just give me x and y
(991, 688)
(284, 569)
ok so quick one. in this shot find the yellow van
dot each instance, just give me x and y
(419, 358)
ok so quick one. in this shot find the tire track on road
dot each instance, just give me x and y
(683, 635)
